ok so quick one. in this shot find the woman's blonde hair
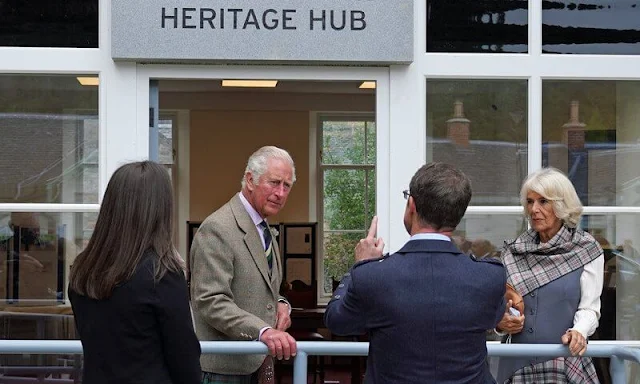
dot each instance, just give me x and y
(554, 186)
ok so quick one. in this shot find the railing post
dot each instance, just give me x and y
(617, 371)
(300, 368)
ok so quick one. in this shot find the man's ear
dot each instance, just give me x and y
(248, 178)
(412, 204)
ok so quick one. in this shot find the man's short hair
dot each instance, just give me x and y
(441, 194)
(259, 160)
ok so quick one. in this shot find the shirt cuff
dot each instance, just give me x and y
(261, 332)
(498, 332)
(283, 300)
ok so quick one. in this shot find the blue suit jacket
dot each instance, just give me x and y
(426, 309)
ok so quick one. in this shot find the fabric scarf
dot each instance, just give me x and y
(531, 264)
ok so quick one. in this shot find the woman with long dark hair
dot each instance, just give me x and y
(127, 288)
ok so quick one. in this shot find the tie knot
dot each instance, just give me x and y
(266, 234)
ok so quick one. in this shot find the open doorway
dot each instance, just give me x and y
(212, 129)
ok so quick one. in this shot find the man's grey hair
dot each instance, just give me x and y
(258, 161)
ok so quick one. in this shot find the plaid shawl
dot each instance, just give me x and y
(531, 264)
(561, 370)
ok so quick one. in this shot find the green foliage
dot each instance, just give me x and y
(349, 194)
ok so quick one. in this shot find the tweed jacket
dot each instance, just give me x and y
(233, 294)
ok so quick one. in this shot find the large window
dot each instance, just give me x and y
(591, 27)
(501, 116)
(49, 158)
(590, 131)
(46, 23)
(495, 26)
(481, 127)
(347, 172)
(49, 131)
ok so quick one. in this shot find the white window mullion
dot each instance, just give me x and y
(534, 126)
(41, 207)
(51, 60)
(535, 28)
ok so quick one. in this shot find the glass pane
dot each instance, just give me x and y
(49, 131)
(36, 249)
(484, 235)
(45, 23)
(619, 236)
(343, 142)
(477, 26)
(345, 199)
(32, 368)
(165, 141)
(480, 126)
(338, 256)
(371, 142)
(590, 131)
(597, 27)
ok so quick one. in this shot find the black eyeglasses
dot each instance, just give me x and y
(406, 194)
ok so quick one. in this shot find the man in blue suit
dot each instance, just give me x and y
(426, 307)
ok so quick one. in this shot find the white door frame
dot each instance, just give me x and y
(146, 72)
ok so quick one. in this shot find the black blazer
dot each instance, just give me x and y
(426, 309)
(143, 333)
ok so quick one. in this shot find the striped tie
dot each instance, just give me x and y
(268, 249)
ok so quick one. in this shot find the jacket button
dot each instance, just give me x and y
(269, 306)
(341, 286)
(530, 330)
(532, 311)
(533, 294)
(337, 296)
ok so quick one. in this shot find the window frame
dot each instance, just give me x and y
(320, 118)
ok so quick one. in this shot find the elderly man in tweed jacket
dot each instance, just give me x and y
(236, 273)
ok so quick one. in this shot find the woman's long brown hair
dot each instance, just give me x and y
(135, 217)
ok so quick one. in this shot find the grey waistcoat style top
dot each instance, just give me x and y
(549, 312)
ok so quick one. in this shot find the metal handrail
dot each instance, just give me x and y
(617, 352)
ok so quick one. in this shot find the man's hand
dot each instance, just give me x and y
(577, 342)
(370, 247)
(509, 323)
(281, 344)
(283, 319)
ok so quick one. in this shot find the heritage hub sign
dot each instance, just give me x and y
(271, 31)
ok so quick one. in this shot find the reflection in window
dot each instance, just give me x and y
(590, 132)
(480, 126)
(484, 235)
(37, 249)
(618, 236)
(49, 130)
(591, 27)
(348, 196)
(477, 26)
(46, 23)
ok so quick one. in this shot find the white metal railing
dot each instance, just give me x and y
(617, 351)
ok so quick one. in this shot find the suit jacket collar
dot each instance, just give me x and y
(434, 246)
(253, 242)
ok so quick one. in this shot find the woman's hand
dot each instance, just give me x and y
(577, 342)
(509, 323)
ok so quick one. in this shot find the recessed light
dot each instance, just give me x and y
(250, 83)
(89, 80)
(368, 85)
